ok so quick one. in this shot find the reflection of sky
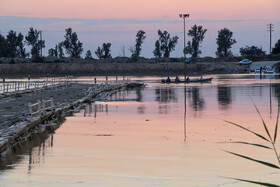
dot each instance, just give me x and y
(137, 137)
(118, 21)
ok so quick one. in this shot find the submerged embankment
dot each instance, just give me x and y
(20, 115)
(120, 68)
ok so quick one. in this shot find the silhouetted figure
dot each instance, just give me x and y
(177, 79)
(168, 79)
(188, 79)
(29, 77)
(201, 77)
(261, 69)
(4, 80)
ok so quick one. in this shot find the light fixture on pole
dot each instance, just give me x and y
(184, 16)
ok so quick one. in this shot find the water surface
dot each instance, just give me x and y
(167, 135)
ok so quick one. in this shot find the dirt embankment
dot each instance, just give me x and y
(119, 68)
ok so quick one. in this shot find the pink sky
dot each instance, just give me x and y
(92, 9)
(117, 21)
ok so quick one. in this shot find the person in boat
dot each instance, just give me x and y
(168, 79)
(188, 79)
(177, 79)
(201, 77)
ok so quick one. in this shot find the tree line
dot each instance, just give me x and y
(13, 45)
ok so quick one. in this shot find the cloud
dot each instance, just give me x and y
(24, 13)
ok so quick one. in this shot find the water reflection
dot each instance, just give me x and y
(197, 102)
(139, 95)
(35, 149)
(166, 95)
(95, 108)
(224, 97)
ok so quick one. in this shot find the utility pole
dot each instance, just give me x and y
(270, 27)
(41, 44)
(184, 16)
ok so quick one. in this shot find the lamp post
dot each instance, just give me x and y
(184, 16)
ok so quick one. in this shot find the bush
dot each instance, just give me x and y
(12, 61)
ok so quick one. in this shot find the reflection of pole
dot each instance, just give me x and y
(185, 113)
(52, 140)
(270, 97)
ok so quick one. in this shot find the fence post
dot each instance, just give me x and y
(39, 105)
(43, 106)
(4, 88)
(95, 80)
(30, 110)
(8, 88)
(52, 104)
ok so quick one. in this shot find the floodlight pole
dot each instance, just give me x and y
(184, 16)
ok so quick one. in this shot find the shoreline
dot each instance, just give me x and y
(137, 68)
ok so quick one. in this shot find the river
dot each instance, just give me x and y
(161, 135)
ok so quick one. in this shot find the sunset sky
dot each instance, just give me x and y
(117, 21)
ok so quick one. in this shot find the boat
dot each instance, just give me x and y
(189, 81)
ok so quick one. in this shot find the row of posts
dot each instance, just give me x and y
(6, 87)
(40, 107)
(106, 85)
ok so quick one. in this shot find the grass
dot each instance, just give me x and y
(17, 95)
(268, 137)
(14, 121)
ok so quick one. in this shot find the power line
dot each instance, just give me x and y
(270, 27)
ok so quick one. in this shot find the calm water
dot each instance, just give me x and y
(161, 135)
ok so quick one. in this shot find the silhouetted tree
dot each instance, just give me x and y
(60, 50)
(32, 39)
(197, 33)
(224, 42)
(99, 53)
(53, 52)
(3, 46)
(251, 51)
(104, 52)
(166, 43)
(88, 55)
(72, 45)
(276, 49)
(157, 51)
(15, 45)
(140, 37)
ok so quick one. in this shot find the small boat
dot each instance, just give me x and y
(189, 81)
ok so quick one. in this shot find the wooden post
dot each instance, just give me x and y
(52, 104)
(38, 105)
(95, 80)
(106, 79)
(43, 106)
(30, 110)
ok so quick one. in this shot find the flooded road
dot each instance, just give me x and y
(161, 135)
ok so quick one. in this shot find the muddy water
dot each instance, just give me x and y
(162, 135)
